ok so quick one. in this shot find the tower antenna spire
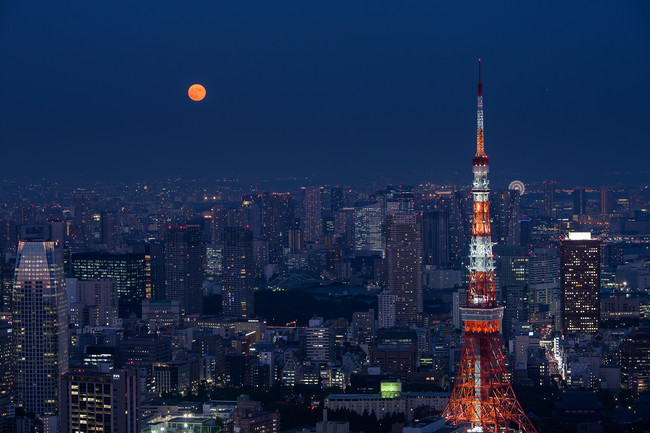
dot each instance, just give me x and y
(480, 145)
(480, 85)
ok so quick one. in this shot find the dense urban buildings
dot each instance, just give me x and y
(379, 296)
(210, 293)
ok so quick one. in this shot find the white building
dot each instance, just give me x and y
(319, 340)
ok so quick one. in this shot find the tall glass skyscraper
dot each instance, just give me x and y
(39, 328)
(238, 295)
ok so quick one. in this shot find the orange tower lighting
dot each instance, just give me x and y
(483, 399)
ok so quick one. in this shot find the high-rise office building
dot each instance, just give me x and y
(635, 360)
(544, 274)
(278, 216)
(213, 260)
(82, 226)
(312, 214)
(459, 206)
(344, 227)
(579, 201)
(238, 273)
(95, 303)
(435, 234)
(386, 315)
(184, 268)
(6, 375)
(505, 213)
(110, 231)
(336, 199)
(526, 233)
(363, 325)
(154, 259)
(404, 264)
(606, 201)
(40, 328)
(511, 278)
(251, 214)
(512, 267)
(459, 299)
(516, 307)
(94, 401)
(129, 270)
(549, 197)
(319, 341)
(580, 283)
(368, 222)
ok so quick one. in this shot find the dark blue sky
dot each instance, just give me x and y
(339, 90)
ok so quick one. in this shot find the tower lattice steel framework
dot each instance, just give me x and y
(483, 399)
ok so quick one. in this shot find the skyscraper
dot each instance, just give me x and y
(606, 201)
(154, 264)
(336, 199)
(312, 218)
(544, 276)
(435, 234)
(100, 401)
(110, 231)
(549, 197)
(82, 235)
(278, 215)
(386, 309)
(368, 221)
(128, 269)
(6, 375)
(95, 303)
(404, 264)
(40, 326)
(580, 283)
(184, 268)
(579, 201)
(238, 272)
(505, 209)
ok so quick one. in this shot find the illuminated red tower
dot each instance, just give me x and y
(482, 399)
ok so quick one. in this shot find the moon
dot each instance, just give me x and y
(196, 92)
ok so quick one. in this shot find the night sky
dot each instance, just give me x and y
(342, 91)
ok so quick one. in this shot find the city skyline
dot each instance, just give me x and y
(261, 218)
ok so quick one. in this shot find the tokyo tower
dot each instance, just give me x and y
(483, 399)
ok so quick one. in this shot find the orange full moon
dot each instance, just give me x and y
(196, 92)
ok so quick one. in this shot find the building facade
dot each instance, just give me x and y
(93, 401)
(184, 268)
(580, 283)
(238, 272)
(40, 328)
(404, 264)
